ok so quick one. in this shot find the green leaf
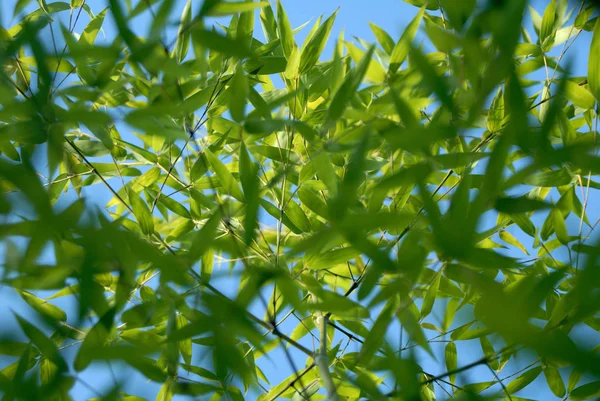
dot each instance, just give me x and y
(286, 36)
(548, 21)
(44, 308)
(184, 33)
(223, 8)
(449, 314)
(326, 172)
(315, 45)
(142, 213)
(292, 69)
(579, 95)
(215, 41)
(375, 72)
(586, 391)
(204, 238)
(489, 352)
(555, 381)
(384, 39)
(96, 338)
(313, 202)
(574, 379)
(509, 239)
(20, 5)
(430, 296)
(339, 305)
(165, 393)
(496, 112)
(458, 11)
(451, 358)
(400, 51)
(560, 227)
(88, 37)
(185, 346)
(594, 63)
(332, 258)
(377, 333)
(523, 204)
(346, 91)
(239, 88)
(555, 178)
(224, 175)
(410, 323)
(523, 380)
(45, 345)
(250, 184)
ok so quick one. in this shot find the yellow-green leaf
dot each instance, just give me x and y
(451, 359)
(402, 48)
(142, 213)
(594, 63)
(523, 380)
(555, 381)
(224, 175)
(43, 307)
(511, 240)
(223, 8)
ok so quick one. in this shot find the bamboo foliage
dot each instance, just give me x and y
(232, 214)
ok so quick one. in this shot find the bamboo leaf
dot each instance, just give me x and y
(223, 8)
(523, 380)
(44, 308)
(184, 33)
(314, 46)
(402, 48)
(451, 358)
(555, 381)
(142, 213)
(224, 176)
(594, 63)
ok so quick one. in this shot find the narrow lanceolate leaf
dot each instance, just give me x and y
(555, 381)
(184, 33)
(511, 240)
(555, 178)
(451, 359)
(204, 238)
(224, 175)
(384, 39)
(224, 8)
(594, 63)
(165, 393)
(560, 227)
(496, 112)
(44, 344)
(377, 333)
(400, 51)
(95, 338)
(44, 308)
(239, 94)
(313, 48)
(250, 185)
(286, 35)
(523, 380)
(185, 346)
(91, 30)
(586, 391)
(345, 92)
(430, 296)
(579, 95)
(548, 21)
(142, 213)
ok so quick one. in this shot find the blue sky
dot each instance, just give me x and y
(353, 17)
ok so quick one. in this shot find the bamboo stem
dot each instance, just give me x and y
(322, 361)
